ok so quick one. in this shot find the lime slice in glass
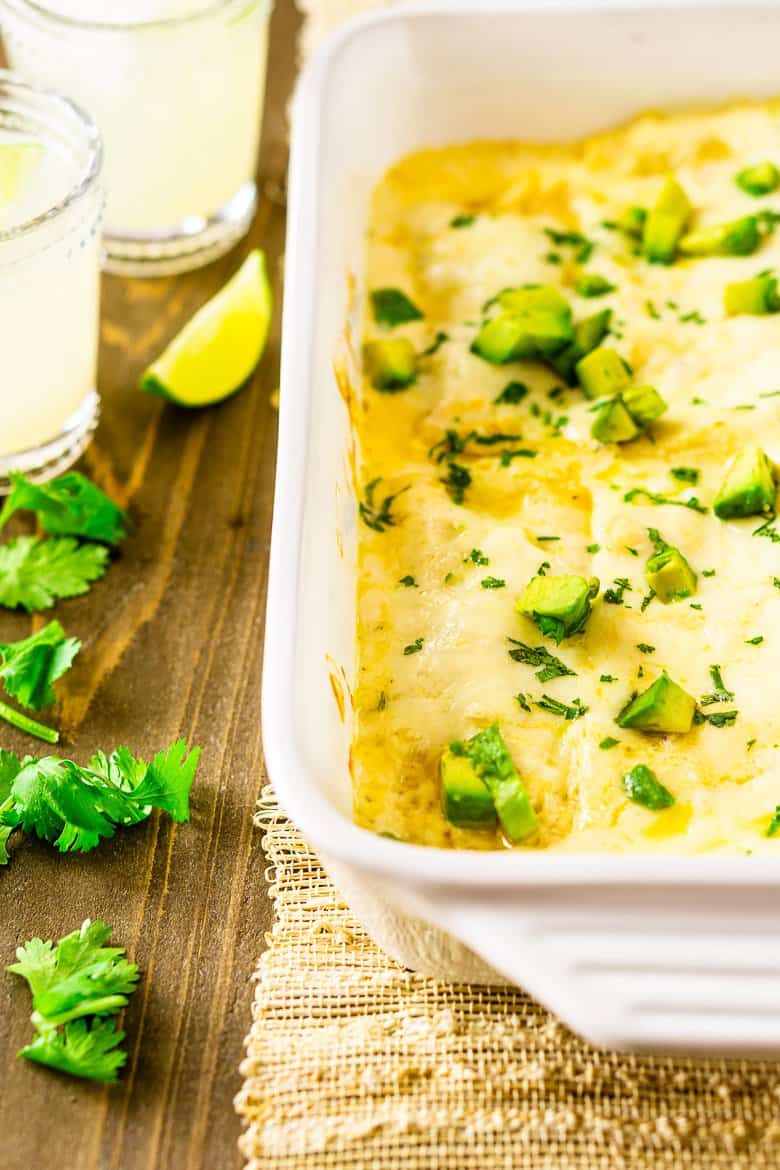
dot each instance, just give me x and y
(216, 352)
(18, 162)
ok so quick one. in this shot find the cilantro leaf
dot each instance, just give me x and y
(10, 765)
(70, 505)
(30, 666)
(91, 1053)
(75, 807)
(81, 976)
(34, 572)
(552, 667)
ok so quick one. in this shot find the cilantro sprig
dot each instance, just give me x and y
(70, 505)
(74, 807)
(75, 986)
(35, 572)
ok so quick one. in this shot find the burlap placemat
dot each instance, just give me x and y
(356, 1064)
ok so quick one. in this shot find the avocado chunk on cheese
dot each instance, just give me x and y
(588, 333)
(761, 179)
(644, 404)
(663, 707)
(669, 575)
(488, 756)
(643, 787)
(602, 372)
(756, 297)
(466, 799)
(740, 237)
(558, 605)
(749, 487)
(391, 363)
(666, 223)
(533, 323)
(614, 424)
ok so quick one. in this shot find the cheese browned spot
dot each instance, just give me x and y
(540, 498)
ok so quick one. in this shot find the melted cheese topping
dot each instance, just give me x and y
(717, 375)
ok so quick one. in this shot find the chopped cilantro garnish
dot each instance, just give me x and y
(593, 548)
(462, 220)
(685, 474)
(654, 498)
(523, 701)
(615, 596)
(590, 284)
(393, 307)
(574, 711)
(507, 456)
(645, 647)
(607, 678)
(708, 572)
(378, 516)
(769, 530)
(717, 718)
(648, 597)
(493, 583)
(755, 641)
(408, 581)
(457, 479)
(512, 393)
(476, 557)
(542, 570)
(552, 667)
(774, 824)
(608, 743)
(547, 538)
(652, 311)
(435, 345)
(721, 694)
(414, 647)
(634, 551)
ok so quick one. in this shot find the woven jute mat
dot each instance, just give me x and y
(356, 1064)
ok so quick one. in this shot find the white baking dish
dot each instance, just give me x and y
(631, 951)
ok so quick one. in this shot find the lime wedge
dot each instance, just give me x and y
(18, 161)
(217, 350)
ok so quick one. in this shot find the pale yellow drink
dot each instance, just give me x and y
(49, 280)
(176, 88)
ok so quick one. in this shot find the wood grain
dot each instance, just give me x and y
(172, 646)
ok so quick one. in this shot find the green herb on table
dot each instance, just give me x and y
(27, 670)
(414, 647)
(35, 571)
(552, 667)
(654, 498)
(377, 515)
(643, 787)
(393, 307)
(493, 583)
(70, 505)
(74, 806)
(75, 985)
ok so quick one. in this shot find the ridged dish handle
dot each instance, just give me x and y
(694, 970)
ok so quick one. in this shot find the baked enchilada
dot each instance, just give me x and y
(569, 580)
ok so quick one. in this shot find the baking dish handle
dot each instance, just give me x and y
(644, 968)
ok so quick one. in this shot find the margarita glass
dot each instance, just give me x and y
(51, 205)
(176, 88)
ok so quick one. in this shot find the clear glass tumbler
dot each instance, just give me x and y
(176, 88)
(51, 207)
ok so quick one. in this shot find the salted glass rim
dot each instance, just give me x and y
(13, 86)
(129, 26)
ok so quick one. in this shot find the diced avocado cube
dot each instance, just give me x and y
(755, 297)
(665, 224)
(391, 363)
(587, 335)
(492, 762)
(669, 575)
(644, 404)
(664, 706)
(545, 314)
(559, 605)
(466, 798)
(602, 373)
(499, 340)
(614, 424)
(632, 221)
(393, 307)
(749, 487)
(761, 179)
(643, 787)
(741, 237)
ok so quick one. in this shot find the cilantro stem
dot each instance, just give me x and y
(31, 726)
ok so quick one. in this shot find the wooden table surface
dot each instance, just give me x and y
(172, 647)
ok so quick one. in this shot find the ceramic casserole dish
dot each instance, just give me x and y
(657, 953)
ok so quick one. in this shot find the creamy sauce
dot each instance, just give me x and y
(717, 375)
